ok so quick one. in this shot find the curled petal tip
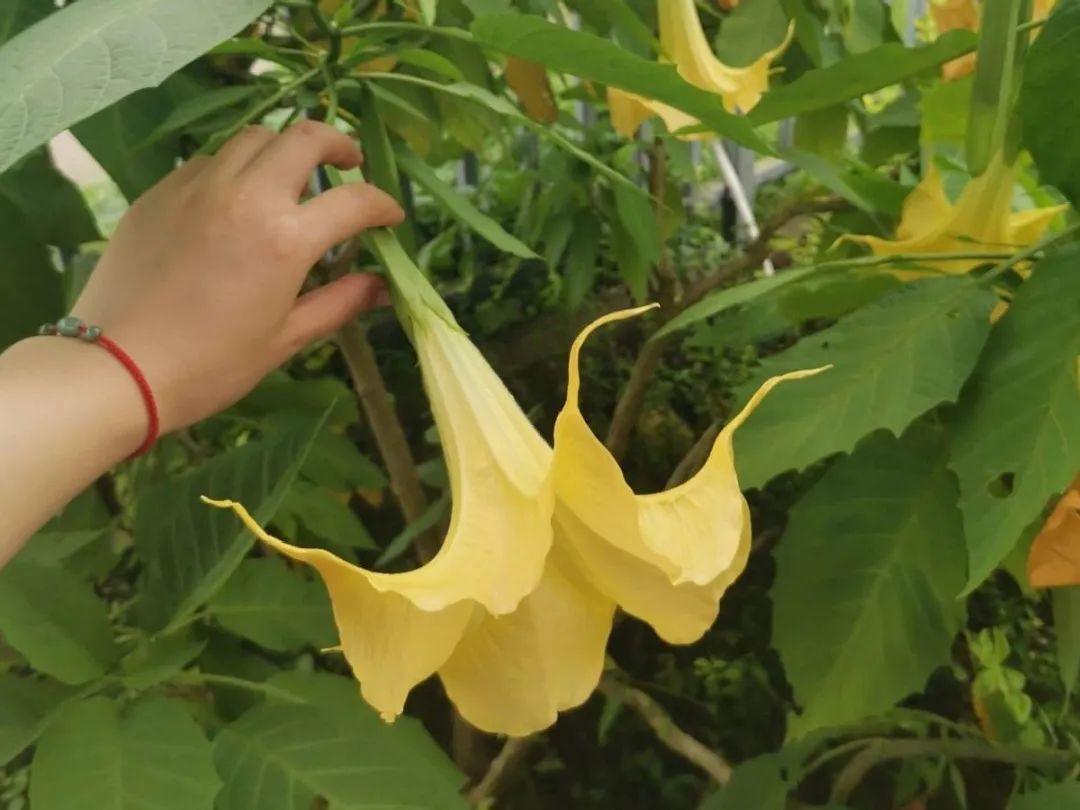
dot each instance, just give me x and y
(218, 504)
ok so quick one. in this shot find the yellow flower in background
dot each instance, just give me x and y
(683, 41)
(398, 629)
(684, 44)
(1054, 560)
(665, 558)
(950, 15)
(981, 220)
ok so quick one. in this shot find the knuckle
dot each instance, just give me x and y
(284, 235)
(308, 129)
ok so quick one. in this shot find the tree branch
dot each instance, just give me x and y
(386, 427)
(503, 770)
(673, 737)
(884, 750)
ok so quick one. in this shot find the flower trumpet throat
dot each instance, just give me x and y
(514, 612)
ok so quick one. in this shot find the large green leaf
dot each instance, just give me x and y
(151, 755)
(753, 28)
(275, 606)
(188, 549)
(91, 53)
(117, 135)
(26, 707)
(461, 207)
(857, 75)
(283, 756)
(1065, 796)
(867, 576)
(892, 361)
(55, 621)
(50, 203)
(1018, 423)
(31, 292)
(600, 60)
(1048, 111)
(17, 15)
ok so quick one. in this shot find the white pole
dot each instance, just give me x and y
(738, 194)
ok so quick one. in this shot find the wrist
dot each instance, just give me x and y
(101, 394)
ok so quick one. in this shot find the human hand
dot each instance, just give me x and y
(200, 283)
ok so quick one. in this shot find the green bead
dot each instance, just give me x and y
(69, 326)
(91, 334)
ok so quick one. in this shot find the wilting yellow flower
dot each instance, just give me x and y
(683, 41)
(629, 111)
(665, 558)
(1054, 560)
(515, 611)
(398, 629)
(981, 220)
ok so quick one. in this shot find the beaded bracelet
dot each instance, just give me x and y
(72, 327)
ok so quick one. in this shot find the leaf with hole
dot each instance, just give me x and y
(1018, 423)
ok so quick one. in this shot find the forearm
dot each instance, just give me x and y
(68, 412)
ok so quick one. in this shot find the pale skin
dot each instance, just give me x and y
(201, 285)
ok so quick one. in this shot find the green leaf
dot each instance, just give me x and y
(325, 515)
(752, 29)
(152, 755)
(1055, 797)
(158, 659)
(867, 575)
(1046, 108)
(600, 60)
(1066, 603)
(642, 233)
(892, 361)
(188, 549)
(89, 54)
(18, 15)
(335, 748)
(945, 109)
(857, 75)
(582, 259)
(1018, 422)
(822, 132)
(428, 519)
(115, 136)
(723, 300)
(27, 705)
(56, 622)
(197, 107)
(275, 606)
(461, 207)
(281, 394)
(335, 462)
(50, 203)
(31, 292)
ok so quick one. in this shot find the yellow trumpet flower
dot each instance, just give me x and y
(515, 611)
(950, 15)
(684, 43)
(398, 629)
(981, 220)
(665, 558)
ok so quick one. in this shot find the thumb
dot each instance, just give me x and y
(321, 312)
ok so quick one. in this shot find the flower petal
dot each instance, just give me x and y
(513, 674)
(1054, 560)
(389, 642)
(642, 549)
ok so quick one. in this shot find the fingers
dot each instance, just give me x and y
(242, 148)
(340, 213)
(292, 156)
(323, 311)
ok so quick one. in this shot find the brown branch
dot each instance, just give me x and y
(673, 737)
(504, 769)
(884, 750)
(386, 427)
(695, 456)
(628, 408)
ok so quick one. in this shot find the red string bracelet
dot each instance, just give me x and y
(72, 327)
